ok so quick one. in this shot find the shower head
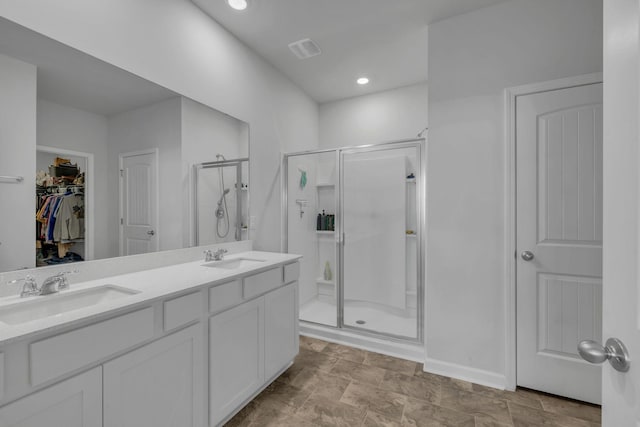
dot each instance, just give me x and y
(224, 193)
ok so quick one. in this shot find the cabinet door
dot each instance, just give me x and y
(158, 385)
(281, 328)
(236, 357)
(76, 402)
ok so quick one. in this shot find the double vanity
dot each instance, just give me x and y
(183, 345)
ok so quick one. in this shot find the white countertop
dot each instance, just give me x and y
(154, 284)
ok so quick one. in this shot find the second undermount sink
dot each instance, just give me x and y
(52, 305)
(234, 264)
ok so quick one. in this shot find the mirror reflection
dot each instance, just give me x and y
(112, 164)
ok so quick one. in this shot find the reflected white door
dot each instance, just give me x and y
(621, 308)
(559, 223)
(139, 203)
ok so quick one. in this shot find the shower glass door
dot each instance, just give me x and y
(380, 234)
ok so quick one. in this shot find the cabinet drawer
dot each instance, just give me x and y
(262, 282)
(291, 272)
(182, 310)
(225, 296)
(66, 352)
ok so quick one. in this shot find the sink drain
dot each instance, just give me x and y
(360, 322)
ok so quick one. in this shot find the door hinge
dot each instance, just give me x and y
(121, 221)
(122, 173)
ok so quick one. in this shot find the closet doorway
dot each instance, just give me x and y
(139, 208)
(71, 248)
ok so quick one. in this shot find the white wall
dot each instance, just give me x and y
(17, 148)
(174, 44)
(369, 119)
(72, 129)
(472, 59)
(153, 126)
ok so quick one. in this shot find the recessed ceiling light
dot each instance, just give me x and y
(237, 4)
(362, 81)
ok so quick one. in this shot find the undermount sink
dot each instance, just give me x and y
(234, 264)
(65, 301)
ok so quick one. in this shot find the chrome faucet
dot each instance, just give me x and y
(51, 285)
(219, 254)
(55, 283)
(30, 287)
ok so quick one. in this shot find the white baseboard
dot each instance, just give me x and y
(465, 373)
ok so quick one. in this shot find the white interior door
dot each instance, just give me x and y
(621, 319)
(559, 239)
(139, 203)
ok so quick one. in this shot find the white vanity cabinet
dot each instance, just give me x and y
(157, 385)
(236, 358)
(75, 402)
(184, 359)
(280, 327)
(252, 343)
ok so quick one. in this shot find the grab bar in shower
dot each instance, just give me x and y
(10, 179)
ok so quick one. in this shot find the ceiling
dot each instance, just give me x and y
(386, 40)
(69, 77)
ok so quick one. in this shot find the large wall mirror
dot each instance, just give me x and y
(102, 163)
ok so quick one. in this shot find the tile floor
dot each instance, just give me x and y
(335, 385)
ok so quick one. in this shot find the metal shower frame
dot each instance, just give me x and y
(221, 164)
(421, 206)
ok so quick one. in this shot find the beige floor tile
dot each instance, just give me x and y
(558, 405)
(417, 388)
(314, 359)
(524, 416)
(343, 352)
(357, 372)
(383, 402)
(335, 385)
(423, 414)
(389, 363)
(328, 385)
(475, 404)
(327, 412)
(312, 344)
(285, 393)
(373, 419)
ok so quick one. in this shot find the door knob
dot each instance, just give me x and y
(614, 351)
(151, 233)
(527, 255)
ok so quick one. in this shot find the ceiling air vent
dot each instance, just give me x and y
(305, 48)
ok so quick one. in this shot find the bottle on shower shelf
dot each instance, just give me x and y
(319, 222)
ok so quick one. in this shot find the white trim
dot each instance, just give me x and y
(465, 373)
(89, 196)
(510, 96)
(121, 156)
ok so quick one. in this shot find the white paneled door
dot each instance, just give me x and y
(559, 239)
(139, 203)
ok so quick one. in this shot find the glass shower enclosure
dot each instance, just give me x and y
(221, 201)
(356, 215)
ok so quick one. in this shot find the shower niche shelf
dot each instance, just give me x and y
(325, 232)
